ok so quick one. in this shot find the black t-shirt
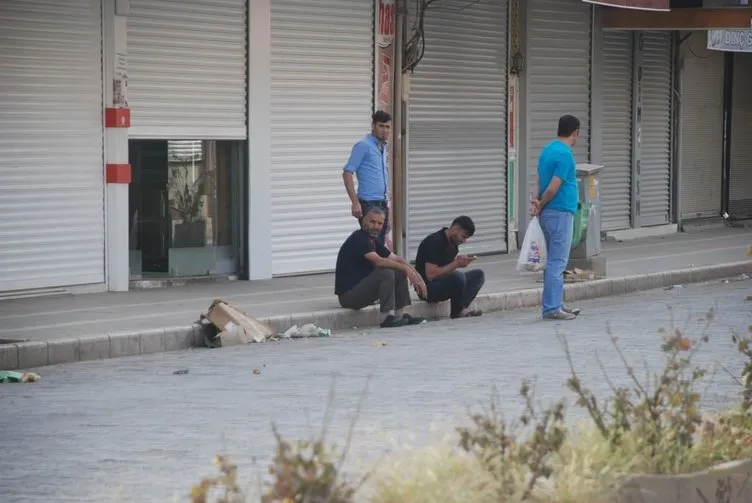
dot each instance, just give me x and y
(435, 249)
(352, 264)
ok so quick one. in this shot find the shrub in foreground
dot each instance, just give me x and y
(651, 426)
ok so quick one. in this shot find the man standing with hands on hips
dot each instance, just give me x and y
(368, 163)
(555, 206)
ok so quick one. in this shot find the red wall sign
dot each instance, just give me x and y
(664, 5)
(387, 10)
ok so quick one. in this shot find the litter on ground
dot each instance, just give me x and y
(224, 325)
(9, 376)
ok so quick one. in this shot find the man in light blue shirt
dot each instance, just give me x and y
(556, 205)
(368, 163)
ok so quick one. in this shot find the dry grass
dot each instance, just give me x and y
(586, 469)
(429, 474)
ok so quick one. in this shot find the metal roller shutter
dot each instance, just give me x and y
(701, 139)
(655, 176)
(51, 157)
(187, 63)
(558, 75)
(322, 100)
(457, 125)
(616, 179)
(740, 191)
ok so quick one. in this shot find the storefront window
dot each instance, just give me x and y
(185, 208)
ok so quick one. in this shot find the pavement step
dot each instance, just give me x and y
(35, 354)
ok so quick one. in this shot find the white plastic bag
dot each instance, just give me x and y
(534, 252)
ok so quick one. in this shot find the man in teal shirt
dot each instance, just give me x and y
(556, 205)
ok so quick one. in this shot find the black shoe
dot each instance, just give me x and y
(392, 321)
(575, 311)
(413, 320)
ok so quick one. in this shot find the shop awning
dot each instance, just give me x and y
(677, 19)
(661, 5)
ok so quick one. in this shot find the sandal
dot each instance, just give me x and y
(469, 314)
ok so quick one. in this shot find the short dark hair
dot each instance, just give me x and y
(466, 224)
(568, 124)
(374, 209)
(381, 117)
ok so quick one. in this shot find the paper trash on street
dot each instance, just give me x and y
(236, 327)
(306, 331)
(9, 376)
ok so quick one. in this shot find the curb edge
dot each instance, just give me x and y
(33, 354)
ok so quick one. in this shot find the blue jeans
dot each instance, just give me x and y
(558, 227)
(459, 287)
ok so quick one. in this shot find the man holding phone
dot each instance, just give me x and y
(439, 262)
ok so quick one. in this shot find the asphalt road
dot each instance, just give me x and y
(131, 430)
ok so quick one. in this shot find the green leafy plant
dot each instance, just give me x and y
(310, 471)
(224, 484)
(518, 454)
(185, 194)
(743, 347)
(651, 425)
(728, 436)
(662, 416)
(307, 472)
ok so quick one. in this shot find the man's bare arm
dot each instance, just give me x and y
(433, 271)
(355, 208)
(399, 264)
(350, 186)
(551, 191)
(388, 263)
(396, 258)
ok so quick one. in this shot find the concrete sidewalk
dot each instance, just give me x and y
(73, 328)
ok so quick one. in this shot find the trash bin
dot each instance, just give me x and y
(586, 239)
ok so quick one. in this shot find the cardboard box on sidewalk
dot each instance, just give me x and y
(236, 327)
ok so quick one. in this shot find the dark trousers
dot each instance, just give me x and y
(459, 287)
(387, 286)
(364, 205)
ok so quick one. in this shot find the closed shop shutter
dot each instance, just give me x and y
(187, 65)
(616, 179)
(51, 157)
(655, 176)
(740, 180)
(457, 125)
(701, 128)
(558, 75)
(322, 100)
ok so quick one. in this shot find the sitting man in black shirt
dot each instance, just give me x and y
(367, 271)
(439, 263)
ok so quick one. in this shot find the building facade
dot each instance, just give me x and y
(154, 139)
(51, 145)
(457, 115)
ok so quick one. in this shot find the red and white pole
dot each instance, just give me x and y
(117, 120)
